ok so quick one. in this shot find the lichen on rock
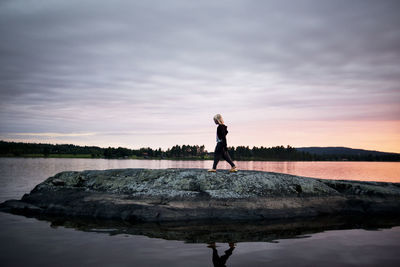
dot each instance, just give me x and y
(191, 194)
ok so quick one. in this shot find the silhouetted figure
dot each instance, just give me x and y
(221, 261)
(221, 150)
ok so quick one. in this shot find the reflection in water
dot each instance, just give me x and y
(225, 232)
(211, 232)
(220, 261)
(364, 171)
(27, 242)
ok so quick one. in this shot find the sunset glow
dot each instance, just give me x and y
(144, 74)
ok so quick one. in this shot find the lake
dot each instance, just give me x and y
(68, 242)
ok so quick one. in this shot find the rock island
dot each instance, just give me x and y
(160, 195)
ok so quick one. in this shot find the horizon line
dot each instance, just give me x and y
(13, 141)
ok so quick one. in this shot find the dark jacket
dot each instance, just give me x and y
(222, 131)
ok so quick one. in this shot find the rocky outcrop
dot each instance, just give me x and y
(194, 194)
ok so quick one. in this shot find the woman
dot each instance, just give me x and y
(221, 150)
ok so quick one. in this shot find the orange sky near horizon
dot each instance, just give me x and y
(370, 135)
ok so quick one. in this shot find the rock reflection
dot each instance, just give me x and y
(220, 261)
(207, 232)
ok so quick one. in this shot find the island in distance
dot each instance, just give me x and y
(165, 195)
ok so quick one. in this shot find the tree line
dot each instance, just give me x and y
(288, 153)
(18, 149)
(270, 153)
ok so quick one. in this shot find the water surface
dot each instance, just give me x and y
(29, 242)
(66, 242)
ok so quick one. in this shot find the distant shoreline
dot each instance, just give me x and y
(196, 152)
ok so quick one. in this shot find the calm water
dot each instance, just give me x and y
(330, 242)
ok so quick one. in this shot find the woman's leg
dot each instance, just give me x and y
(217, 155)
(215, 257)
(227, 157)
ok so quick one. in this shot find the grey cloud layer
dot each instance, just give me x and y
(72, 66)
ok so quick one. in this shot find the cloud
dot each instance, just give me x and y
(169, 66)
(52, 134)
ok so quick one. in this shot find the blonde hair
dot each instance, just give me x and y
(218, 119)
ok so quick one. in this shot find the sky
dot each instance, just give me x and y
(154, 73)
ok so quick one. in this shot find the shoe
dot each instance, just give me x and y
(212, 170)
(233, 169)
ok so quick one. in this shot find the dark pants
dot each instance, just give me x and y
(221, 151)
(221, 261)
